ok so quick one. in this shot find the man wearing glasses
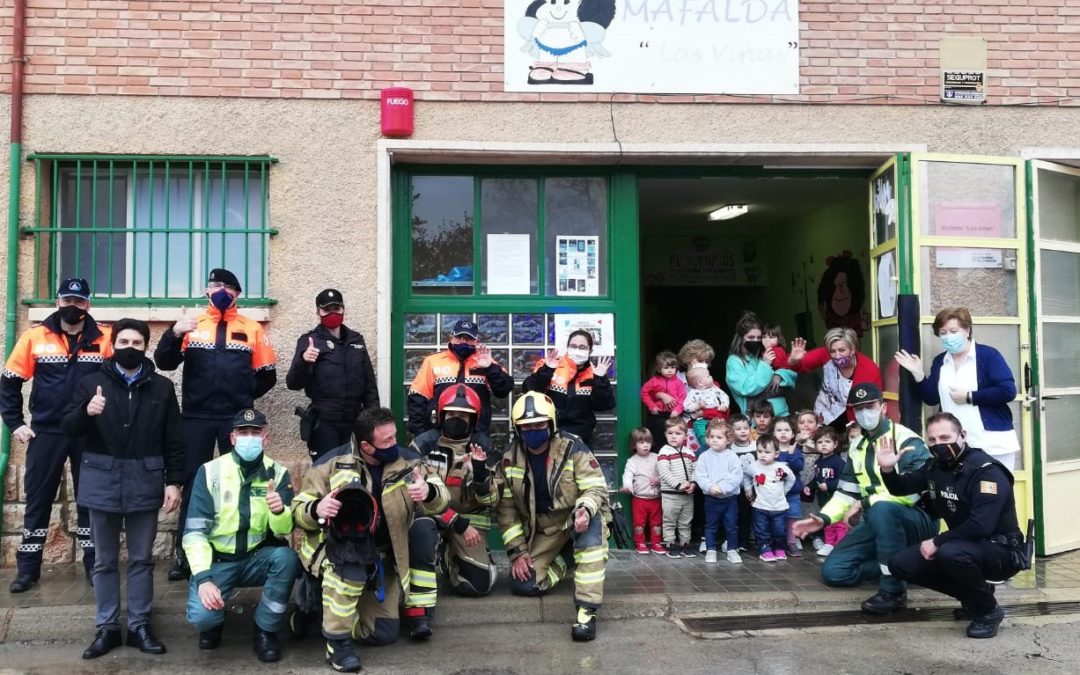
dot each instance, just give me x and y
(229, 363)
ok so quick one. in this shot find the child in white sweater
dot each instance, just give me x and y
(641, 480)
(767, 483)
(676, 466)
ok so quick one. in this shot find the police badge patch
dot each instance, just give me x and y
(987, 487)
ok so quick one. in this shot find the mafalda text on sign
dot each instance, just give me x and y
(652, 46)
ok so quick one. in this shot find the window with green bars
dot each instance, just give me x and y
(148, 229)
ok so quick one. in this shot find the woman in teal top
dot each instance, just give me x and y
(749, 368)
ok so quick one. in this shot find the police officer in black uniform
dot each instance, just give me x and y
(973, 492)
(333, 367)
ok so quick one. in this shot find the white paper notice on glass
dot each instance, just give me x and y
(508, 264)
(601, 326)
(577, 271)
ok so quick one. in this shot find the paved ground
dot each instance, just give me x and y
(648, 597)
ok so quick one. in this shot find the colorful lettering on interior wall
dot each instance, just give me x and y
(702, 261)
(652, 46)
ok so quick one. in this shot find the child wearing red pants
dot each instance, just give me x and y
(641, 480)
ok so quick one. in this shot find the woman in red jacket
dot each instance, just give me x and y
(843, 367)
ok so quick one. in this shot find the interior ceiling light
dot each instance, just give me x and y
(728, 212)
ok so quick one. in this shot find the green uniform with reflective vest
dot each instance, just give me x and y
(889, 524)
(232, 539)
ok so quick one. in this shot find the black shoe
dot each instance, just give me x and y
(267, 647)
(674, 550)
(421, 628)
(104, 642)
(143, 638)
(298, 624)
(986, 625)
(584, 629)
(688, 551)
(180, 570)
(342, 657)
(210, 639)
(884, 603)
(22, 583)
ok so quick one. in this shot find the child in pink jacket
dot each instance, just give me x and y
(662, 396)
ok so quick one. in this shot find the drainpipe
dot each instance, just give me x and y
(18, 63)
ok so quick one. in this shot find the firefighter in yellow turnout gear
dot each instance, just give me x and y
(464, 459)
(362, 601)
(553, 511)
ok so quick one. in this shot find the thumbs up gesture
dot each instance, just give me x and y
(311, 354)
(185, 324)
(96, 406)
(418, 487)
(273, 499)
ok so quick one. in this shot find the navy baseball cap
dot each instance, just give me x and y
(330, 296)
(226, 277)
(864, 393)
(249, 417)
(466, 327)
(74, 288)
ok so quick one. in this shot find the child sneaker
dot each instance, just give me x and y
(825, 550)
(688, 551)
(794, 552)
(710, 556)
(779, 555)
(818, 543)
(734, 557)
(723, 547)
(767, 556)
(642, 548)
(674, 551)
(702, 548)
(658, 549)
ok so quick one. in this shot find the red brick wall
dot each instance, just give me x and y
(853, 51)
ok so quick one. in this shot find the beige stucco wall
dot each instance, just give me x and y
(323, 191)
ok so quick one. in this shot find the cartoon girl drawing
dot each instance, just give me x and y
(841, 293)
(561, 35)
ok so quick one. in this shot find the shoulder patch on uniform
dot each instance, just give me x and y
(594, 464)
(987, 487)
(506, 461)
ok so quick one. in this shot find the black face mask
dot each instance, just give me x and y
(463, 350)
(71, 315)
(455, 428)
(753, 348)
(946, 454)
(129, 358)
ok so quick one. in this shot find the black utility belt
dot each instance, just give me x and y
(334, 415)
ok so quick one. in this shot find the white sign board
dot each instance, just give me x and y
(652, 46)
(969, 258)
(601, 326)
(508, 269)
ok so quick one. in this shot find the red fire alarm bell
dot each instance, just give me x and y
(397, 111)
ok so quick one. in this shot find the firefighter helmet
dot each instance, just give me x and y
(461, 398)
(351, 542)
(534, 407)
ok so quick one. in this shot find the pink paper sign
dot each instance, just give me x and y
(967, 219)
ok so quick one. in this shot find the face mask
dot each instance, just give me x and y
(386, 455)
(868, 419)
(534, 438)
(841, 362)
(754, 348)
(946, 454)
(129, 358)
(332, 321)
(462, 350)
(953, 342)
(71, 315)
(455, 428)
(578, 356)
(221, 299)
(248, 448)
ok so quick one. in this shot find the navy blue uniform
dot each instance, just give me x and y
(976, 500)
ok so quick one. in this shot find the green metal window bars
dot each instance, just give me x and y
(146, 230)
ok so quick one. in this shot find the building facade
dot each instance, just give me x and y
(164, 138)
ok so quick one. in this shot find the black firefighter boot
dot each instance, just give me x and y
(584, 629)
(884, 603)
(342, 657)
(420, 623)
(986, 625)
(180, 569)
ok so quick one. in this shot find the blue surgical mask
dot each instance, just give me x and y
(868, 419)
(954, 343)
(248, 448)
(386, 455)
(221, 299)
(534, 438)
